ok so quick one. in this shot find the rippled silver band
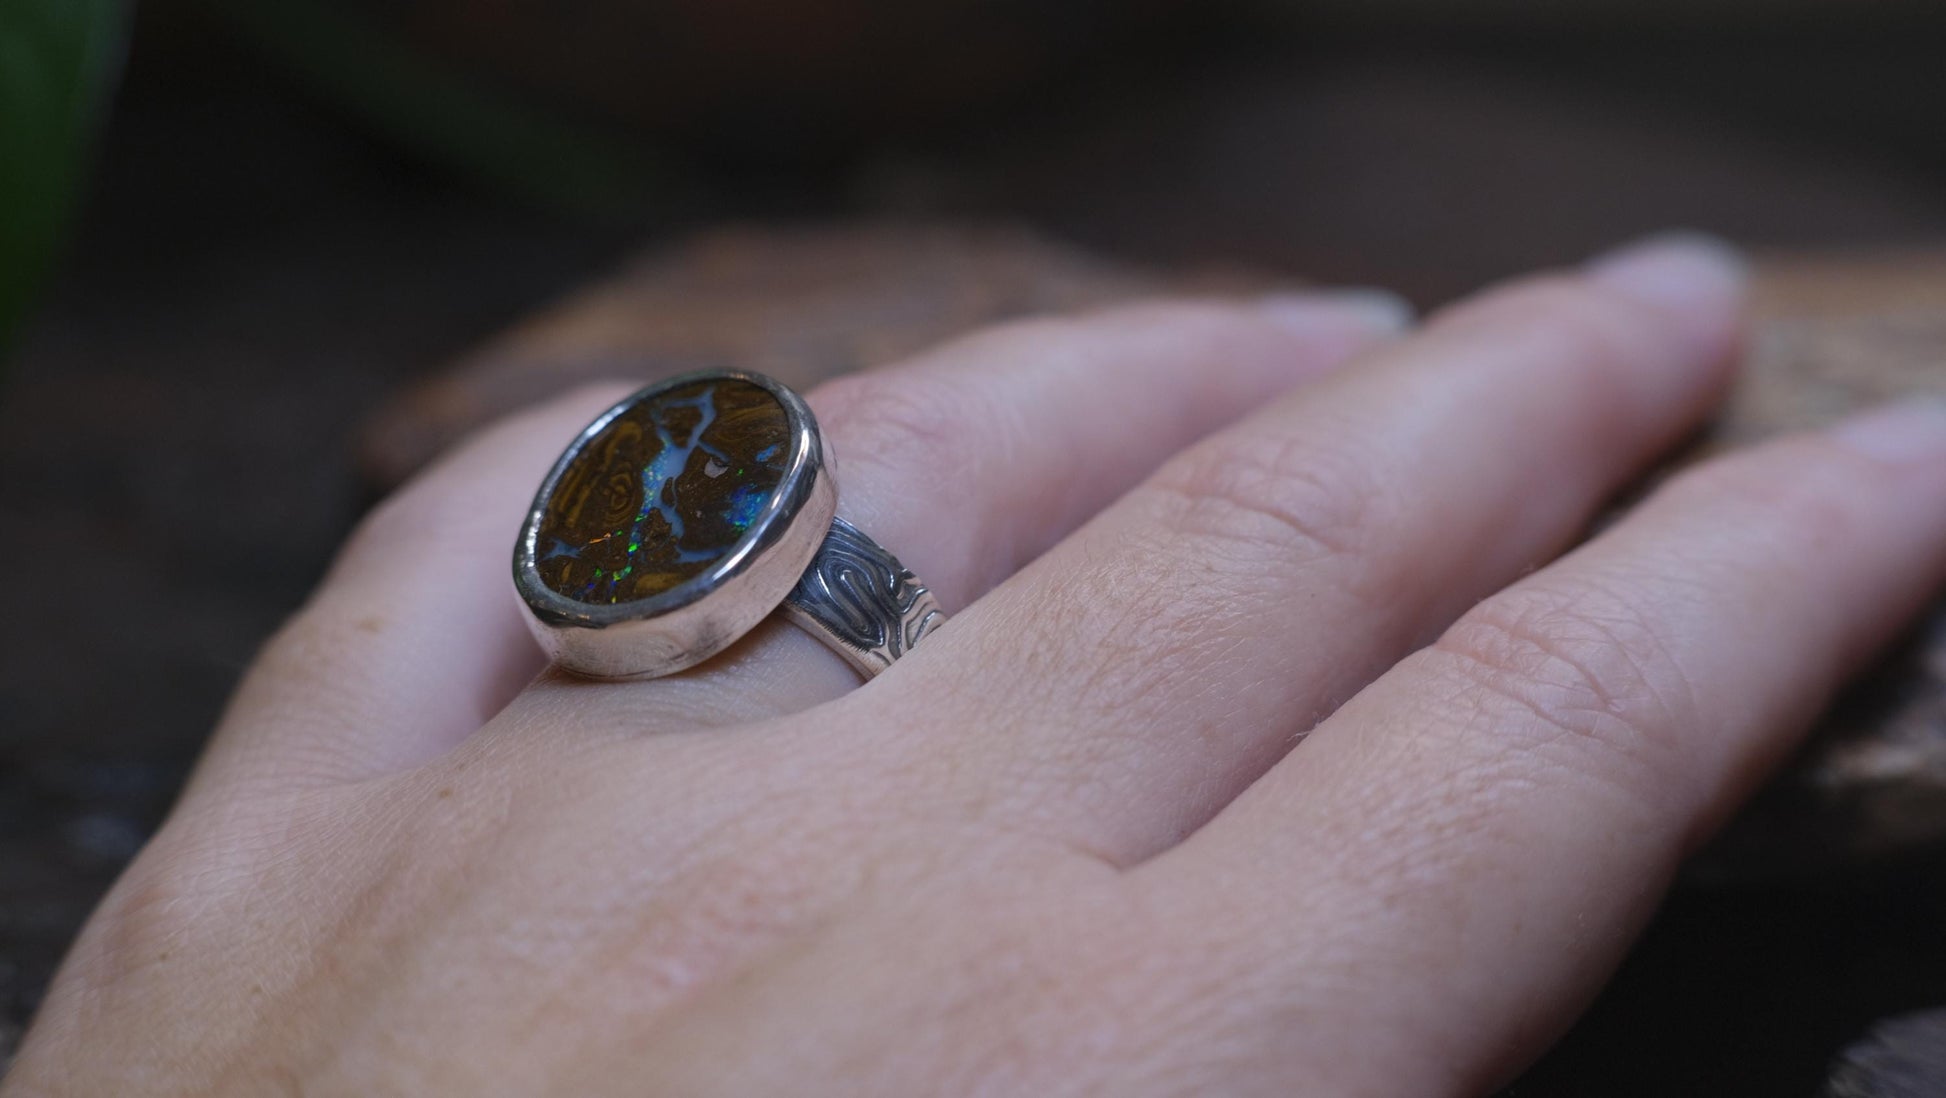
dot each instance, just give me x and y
(860, 600)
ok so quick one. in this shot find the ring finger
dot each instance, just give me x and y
(966, 462)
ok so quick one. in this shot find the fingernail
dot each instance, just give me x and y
(1379, 312)
(1907, 433)
(1680, 270)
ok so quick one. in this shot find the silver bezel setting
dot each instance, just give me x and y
(705, 614)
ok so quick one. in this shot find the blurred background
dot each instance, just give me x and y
(259, 259)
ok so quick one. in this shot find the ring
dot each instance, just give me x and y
(688, 512)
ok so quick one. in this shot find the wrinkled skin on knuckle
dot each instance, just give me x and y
(1201, 554)
(1271, 501)
(1120, 638)
(1579, 678)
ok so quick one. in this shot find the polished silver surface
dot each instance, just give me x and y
(829, 577)
(858, 599)
(705, 614)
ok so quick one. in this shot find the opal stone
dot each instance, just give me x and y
(665, 490)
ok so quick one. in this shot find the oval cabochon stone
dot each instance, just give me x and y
(664, 491)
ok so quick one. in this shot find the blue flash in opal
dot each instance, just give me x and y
(745, 505)
(649, 502)
(668, 464)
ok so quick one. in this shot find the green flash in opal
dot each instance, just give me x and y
(645, 504)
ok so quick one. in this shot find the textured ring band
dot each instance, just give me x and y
(860, 600)
(688, 512)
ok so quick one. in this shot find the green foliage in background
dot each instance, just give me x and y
(58, 59)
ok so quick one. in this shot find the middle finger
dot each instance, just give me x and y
(1130, 683)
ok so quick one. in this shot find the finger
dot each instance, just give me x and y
(969, 461)
(415, 639)
(1138, 677)
(1489, 823)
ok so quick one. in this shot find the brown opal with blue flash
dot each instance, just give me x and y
(663, 491)
(688, 513)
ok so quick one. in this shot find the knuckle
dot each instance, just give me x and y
(1571, 673)
(1275, 497)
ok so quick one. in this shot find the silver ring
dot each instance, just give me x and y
(688, 512)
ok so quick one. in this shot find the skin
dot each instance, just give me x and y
(1273, 745)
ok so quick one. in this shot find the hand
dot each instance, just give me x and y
(1257, 757)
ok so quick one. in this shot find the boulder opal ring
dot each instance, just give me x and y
(686, 514)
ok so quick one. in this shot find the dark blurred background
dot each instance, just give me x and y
(291, 216)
